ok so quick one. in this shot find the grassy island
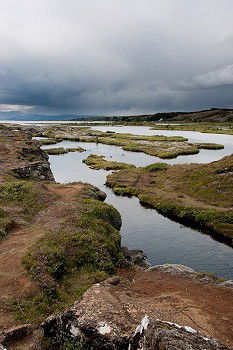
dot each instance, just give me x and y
(98, 162)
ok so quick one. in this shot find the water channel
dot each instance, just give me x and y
(163, 240)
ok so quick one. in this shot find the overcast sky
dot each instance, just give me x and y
(115, 56)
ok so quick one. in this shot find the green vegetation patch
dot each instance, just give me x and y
(156, 167)
(22, 193)
(87, 239)
(36, 306)
(99, 162)
(198, 194)
(65, 262)
(49, 141)
(209, 146)
(56, 151)
(203, 218)
(6, 223)
(126, 191)
(200, 127)
(75, 149)
(146, 138)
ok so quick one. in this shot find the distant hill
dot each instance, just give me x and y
(211, 115)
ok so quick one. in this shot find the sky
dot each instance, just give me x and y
(115, 57)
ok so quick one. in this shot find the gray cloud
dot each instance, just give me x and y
(116, 56)
(216, 79)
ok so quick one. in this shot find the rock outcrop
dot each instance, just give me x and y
(160, 335)
(22, 157)
(109, 319)
(135, 257)
(35, 171)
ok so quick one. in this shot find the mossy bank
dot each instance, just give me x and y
(198, 195)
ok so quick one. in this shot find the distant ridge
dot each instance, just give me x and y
(208, 115)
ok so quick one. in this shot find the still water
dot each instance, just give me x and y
(163, 240)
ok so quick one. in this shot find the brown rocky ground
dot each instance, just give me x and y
(181, 299)
(110, 311)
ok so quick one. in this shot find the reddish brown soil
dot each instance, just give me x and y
(180, 299)
(14, 280)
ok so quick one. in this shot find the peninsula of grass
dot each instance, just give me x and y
(66, 261)
(200, 127)
(199, 195)
(62, 150)
(76, 149)
(99, 162)
(56, 151)
(213, 146)
(48, 141)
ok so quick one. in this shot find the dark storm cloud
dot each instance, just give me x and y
(116, 56)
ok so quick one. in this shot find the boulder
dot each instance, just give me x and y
(13, 334)
(161, 335)
(174, 269)
(228, 283)
(135, 257)
(102, 320)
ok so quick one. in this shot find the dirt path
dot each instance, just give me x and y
(180, 299)
(14, 280)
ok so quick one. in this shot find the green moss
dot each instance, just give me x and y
(36, 306)
(21, 193)
(132, 137)
(208, 218)
(102, 211)
(162, 151)
(6, 223)
(156, 167)
(98, 162)
(175, 153)
(125, 191)
(73, 345)
(49, 141)
(56, 151)
(87, 239)
(209, 146)
(76, 149)
(200, 127)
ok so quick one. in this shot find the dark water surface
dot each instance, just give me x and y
(163, 240)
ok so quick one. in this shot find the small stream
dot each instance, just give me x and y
(163, 240)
